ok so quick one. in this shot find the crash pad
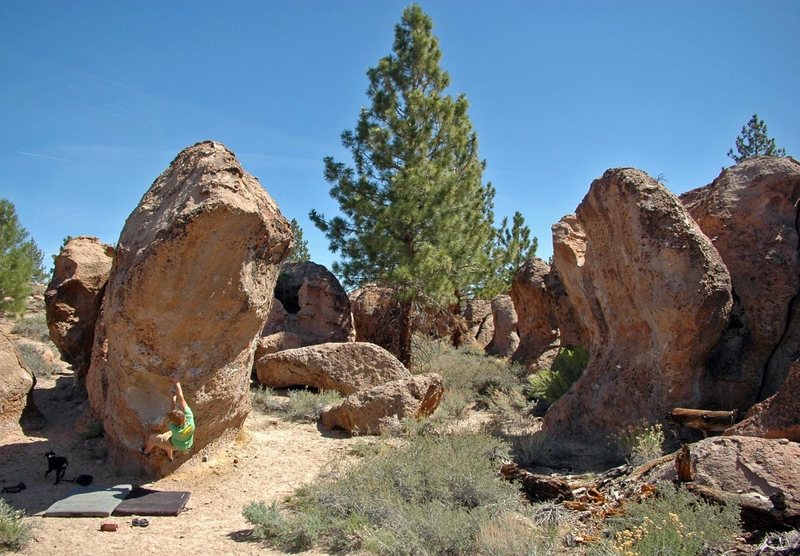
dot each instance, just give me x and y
(92, 501)
(144, 501)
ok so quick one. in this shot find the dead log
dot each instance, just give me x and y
(683, 465)
(758, 513)
(538, 488)
(702, 419)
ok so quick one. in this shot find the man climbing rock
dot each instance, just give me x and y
(180, 423)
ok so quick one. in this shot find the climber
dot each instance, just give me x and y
(180, 423)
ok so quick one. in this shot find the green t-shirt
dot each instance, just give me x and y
(183, 436)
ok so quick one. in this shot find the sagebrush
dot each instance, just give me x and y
(15, 533)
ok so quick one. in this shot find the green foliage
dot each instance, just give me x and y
(20, 261)
(415, 214)
(302, 406)
(15, 533)
(294, 533)
(513, 247)
(299, 252)
(754, 141)
(640, 444)
(431, 496)
(551, 384)
(33, 327)
(675, 522)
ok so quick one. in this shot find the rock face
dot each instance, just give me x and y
(16, 384)
(651, 293)
(479, 321)
(381, 408)
(537, 321)
(190, 289)
(73, 297)
(506, 339)
(750, 212)
(312, 308)
(776, 417)
(344, 367)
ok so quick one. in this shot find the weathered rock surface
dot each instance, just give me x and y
(343, 367)
(569, 247)
(313, 308)
(16, 384)
(653, 295)
(73, 297)
(506, 339)
(382, 407)
(776, 417)
(190, 289)
(750, 212)
(537, 322)
(478, 318)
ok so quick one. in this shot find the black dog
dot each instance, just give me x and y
(57, 464)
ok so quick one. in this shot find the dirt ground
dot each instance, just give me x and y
(268, 461)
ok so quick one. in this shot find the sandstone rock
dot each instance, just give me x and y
(478, 318)
(382, 407)
(569, 246)
(506, 339)
(73, 297)
(750, 214)
(344, 367)
(776, 417)
(653, 296)
(739, 464)
(537, 322)
(16, 384)
(313, 308)
(190, 289)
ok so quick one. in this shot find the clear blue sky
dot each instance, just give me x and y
(96, 98)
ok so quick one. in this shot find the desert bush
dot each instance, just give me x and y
(674, 522)
(430, 496)
(511, 534)
(33, 327)
(551, 384)
(15, 533)
(34, 360)
(302, 406)
(294, 533)
(264, 400)
(638, 444)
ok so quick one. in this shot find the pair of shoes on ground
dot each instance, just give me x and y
(140, 522)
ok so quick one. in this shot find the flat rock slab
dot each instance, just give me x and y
(89, 502)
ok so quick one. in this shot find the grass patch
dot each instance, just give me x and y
(550, 384)
(15, 534)
(33, 327)
(434, 495)
(675, 522)
(640, 444)
(301, 406)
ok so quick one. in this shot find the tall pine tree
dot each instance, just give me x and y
(416, 215)
(754, 141)
(20, 261)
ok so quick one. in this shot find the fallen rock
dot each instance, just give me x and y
(506, 339)
(16, 384)
(343, 367)
(653, 296)
(189, 291)
(776, 417)
(73, 297)
(750, 213)
(382, 407)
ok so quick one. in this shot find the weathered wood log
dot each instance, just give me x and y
(537, 488)
(702, 419)
(683, 465)
(758, 513)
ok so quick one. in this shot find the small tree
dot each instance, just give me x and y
(20, 261)
(416, 215)
(753, 141)
(514, 246)
(299, 252)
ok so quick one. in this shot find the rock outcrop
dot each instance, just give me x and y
(382, 408)
(343, 367)
(191, 285)
(653, 296)
(73, 297)
(312, 308)
(477, 314)
(750, 212)
(505, 340)
(537, 322)
(776, 417)
(16, 384)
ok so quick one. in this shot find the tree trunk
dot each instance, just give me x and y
(406, 329)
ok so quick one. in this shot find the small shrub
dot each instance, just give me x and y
(551, 384)
(34, 360)
(675, 522)
(15, 534)
(305, 406)
(513, 535)
(33, 327)
(640, 444)
(264, 400)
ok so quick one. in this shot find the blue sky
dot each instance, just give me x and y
(96, 98)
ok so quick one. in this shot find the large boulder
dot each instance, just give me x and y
(537, 321)
(73, 297)
(344, 367)
(16, 384)
(776, 417)
(477, 314)
(189, 291)
(313, 309)
(653, 296)
(505, 340)
(750, 214)
(381, 408)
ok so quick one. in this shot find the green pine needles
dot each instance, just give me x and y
(754, 141)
